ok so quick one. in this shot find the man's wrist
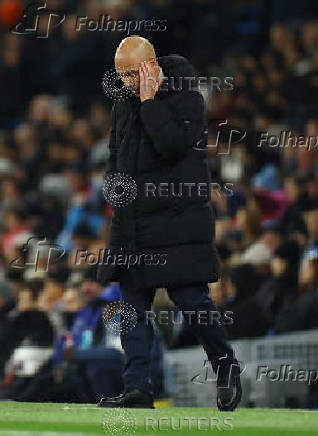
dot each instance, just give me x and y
(147, 99)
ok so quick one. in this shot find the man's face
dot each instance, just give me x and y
(307, 272)
(131, 79)
(312, 223)
(90, 290)
(278, 266)
(129, 72)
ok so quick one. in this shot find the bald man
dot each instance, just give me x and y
(135, 58)
(158, 138)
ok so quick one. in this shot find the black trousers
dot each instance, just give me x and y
(137, 342)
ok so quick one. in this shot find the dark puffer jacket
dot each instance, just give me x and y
(161, 144)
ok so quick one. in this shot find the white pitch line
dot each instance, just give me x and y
(81, 408)
(289, 410)
(50, 433)
(305, 410)
(43, 433)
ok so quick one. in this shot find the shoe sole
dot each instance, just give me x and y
(230, 407)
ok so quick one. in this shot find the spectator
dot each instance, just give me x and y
(302, 314)
(30, 326)
(280, 290)
(247, 320)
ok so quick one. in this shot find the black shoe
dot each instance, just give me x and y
(134, 399)
(229, 390)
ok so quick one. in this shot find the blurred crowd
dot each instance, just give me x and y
(54, 130)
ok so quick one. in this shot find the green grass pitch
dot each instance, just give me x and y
(47, 419)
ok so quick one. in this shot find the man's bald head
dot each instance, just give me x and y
(131, 52)
(129, 55)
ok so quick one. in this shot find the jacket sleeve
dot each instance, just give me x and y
(174, 130)
(111, 164)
